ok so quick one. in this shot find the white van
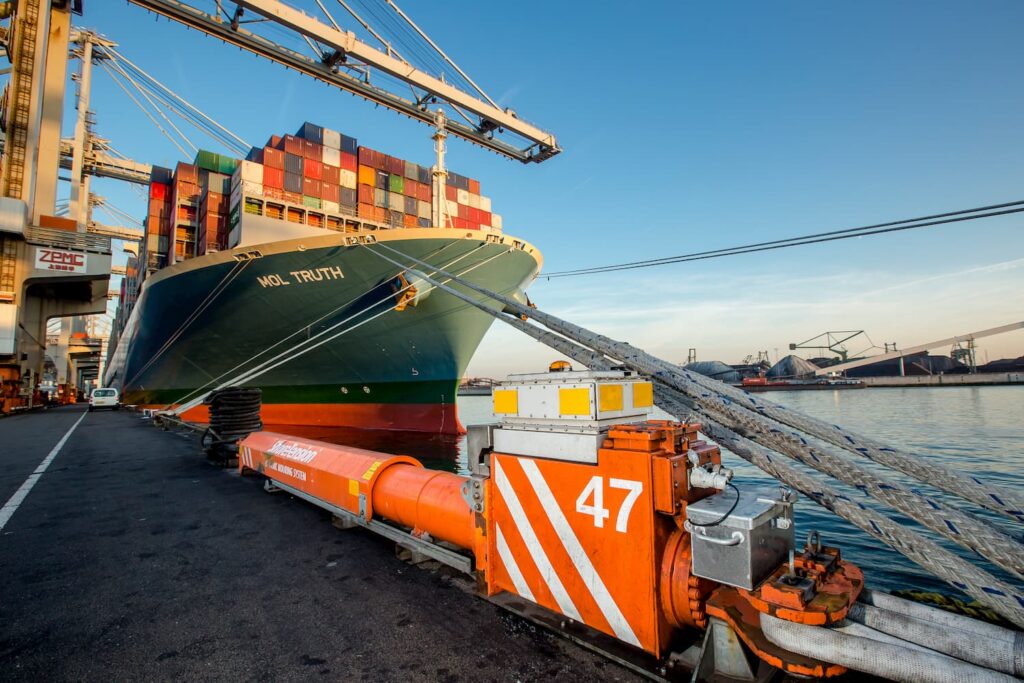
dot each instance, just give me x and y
(104, 398)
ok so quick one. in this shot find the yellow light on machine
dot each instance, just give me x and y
(506, 401)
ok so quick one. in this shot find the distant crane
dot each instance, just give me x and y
(834, 341)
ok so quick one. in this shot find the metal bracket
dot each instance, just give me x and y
(473, 493)
(479, 442)
(723, 654)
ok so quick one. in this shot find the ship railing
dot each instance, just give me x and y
(81, 241)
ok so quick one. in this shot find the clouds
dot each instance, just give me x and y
(729, 315)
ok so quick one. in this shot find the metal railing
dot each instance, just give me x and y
(82, 241)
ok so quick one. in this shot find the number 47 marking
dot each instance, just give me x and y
(595, 489)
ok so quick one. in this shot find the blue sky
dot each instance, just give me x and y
(691, 126)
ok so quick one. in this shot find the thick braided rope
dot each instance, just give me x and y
(991, 496)
(923, 551)
(958, 526)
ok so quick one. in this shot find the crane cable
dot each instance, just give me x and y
(831, 236)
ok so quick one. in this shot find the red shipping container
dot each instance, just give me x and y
(366, 210)
(273, 158)
(424, 193)
(273, 178)
(451, 193)
(463, 211)
(331, 175)
(365, 193)
(311, 150)
(292, 197)
(186, 173)
(311, 187)
(395, 166)
(474, 186)
(275, 142)
(349, 162)
(293, 145)
(409, 188)
(312, 169)
(331, 193)
(159, 191)
(485, 218)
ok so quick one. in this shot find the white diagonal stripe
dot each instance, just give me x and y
(588, 573)
(509, 560)
(540, 558)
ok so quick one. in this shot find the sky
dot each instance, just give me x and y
(689, 126)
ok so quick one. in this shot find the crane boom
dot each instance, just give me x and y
(842, 367)
(493, 120)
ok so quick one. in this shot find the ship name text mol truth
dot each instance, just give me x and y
(301, 277)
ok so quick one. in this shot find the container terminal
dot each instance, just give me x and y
(198, 533)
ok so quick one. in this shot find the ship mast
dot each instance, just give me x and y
(440, 173)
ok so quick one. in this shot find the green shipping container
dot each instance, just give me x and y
(311, 202)
(208, 160)
(397, 184)
(226, 164)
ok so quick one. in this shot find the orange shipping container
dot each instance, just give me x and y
(411, 221)
(367, 175)
(331, 175)
(311, 168)
(365, 193)
(366, 210)
(474, 186)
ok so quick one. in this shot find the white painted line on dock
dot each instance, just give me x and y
(19, 496)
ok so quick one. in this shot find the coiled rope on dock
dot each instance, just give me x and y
(234, 415)
(750, 433)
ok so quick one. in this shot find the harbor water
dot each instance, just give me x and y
(977, 430)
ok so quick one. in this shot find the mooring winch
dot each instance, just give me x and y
(582, 514)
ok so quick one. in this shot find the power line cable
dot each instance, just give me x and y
(831, 236)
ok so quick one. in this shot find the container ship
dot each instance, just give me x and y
(278, 271)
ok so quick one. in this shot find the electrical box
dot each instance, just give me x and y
(743, 547)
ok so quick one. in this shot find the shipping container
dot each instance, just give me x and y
(396, 184)
(365, 193)
(293, 182)
(496, 221)
(311, 131)
(332, 157)
(462, 197)
(349, 162)
(485, 203)
(331, 175)
(412, 171)
(312, 187)
(423, 222)
(218, 182)
(275, 141)
(249, 171)
(396, 202)
(293, 163)
(162, 175)
(273, 178)
(347, 179)
(349, 145)
(293, 145)
(160, 191)
(474, 201)
(411, 206)
(451, 193)
(366, 210)
(383, 181)
(330, 206)
(474, 186)
(312, 150)
(410, 221)
(331, 193)
(424, 209)
(186, 173)
(380, 198)
(367, 175)
(273, 158)
(426, 177)
(348, 197)
(313, 169)
(310, 201)
(331, 138)
(394, 165)
(255, 154)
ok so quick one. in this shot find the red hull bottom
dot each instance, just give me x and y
(414, 417)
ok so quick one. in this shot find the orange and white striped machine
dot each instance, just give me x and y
(582, 514)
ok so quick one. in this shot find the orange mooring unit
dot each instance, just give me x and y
(581, 513)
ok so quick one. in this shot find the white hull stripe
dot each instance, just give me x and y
(540, 558)
(579, 557)
(509, 560)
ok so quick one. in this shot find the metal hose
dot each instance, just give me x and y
(991, 653)
(872, 656)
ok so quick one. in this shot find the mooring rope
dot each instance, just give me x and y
(960, 573)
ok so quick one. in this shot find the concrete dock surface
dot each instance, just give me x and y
(133, 558)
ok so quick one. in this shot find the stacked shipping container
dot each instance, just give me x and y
(320, 173)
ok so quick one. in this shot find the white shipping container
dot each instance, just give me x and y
(485, 203)
(332, 156)
(348, 179)
(463, 197)
(474, 201)
(496, 221)
(331, 207)
(396, 202)
(453, 208)
(332, 139)
(249, 171)
(423, 210)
